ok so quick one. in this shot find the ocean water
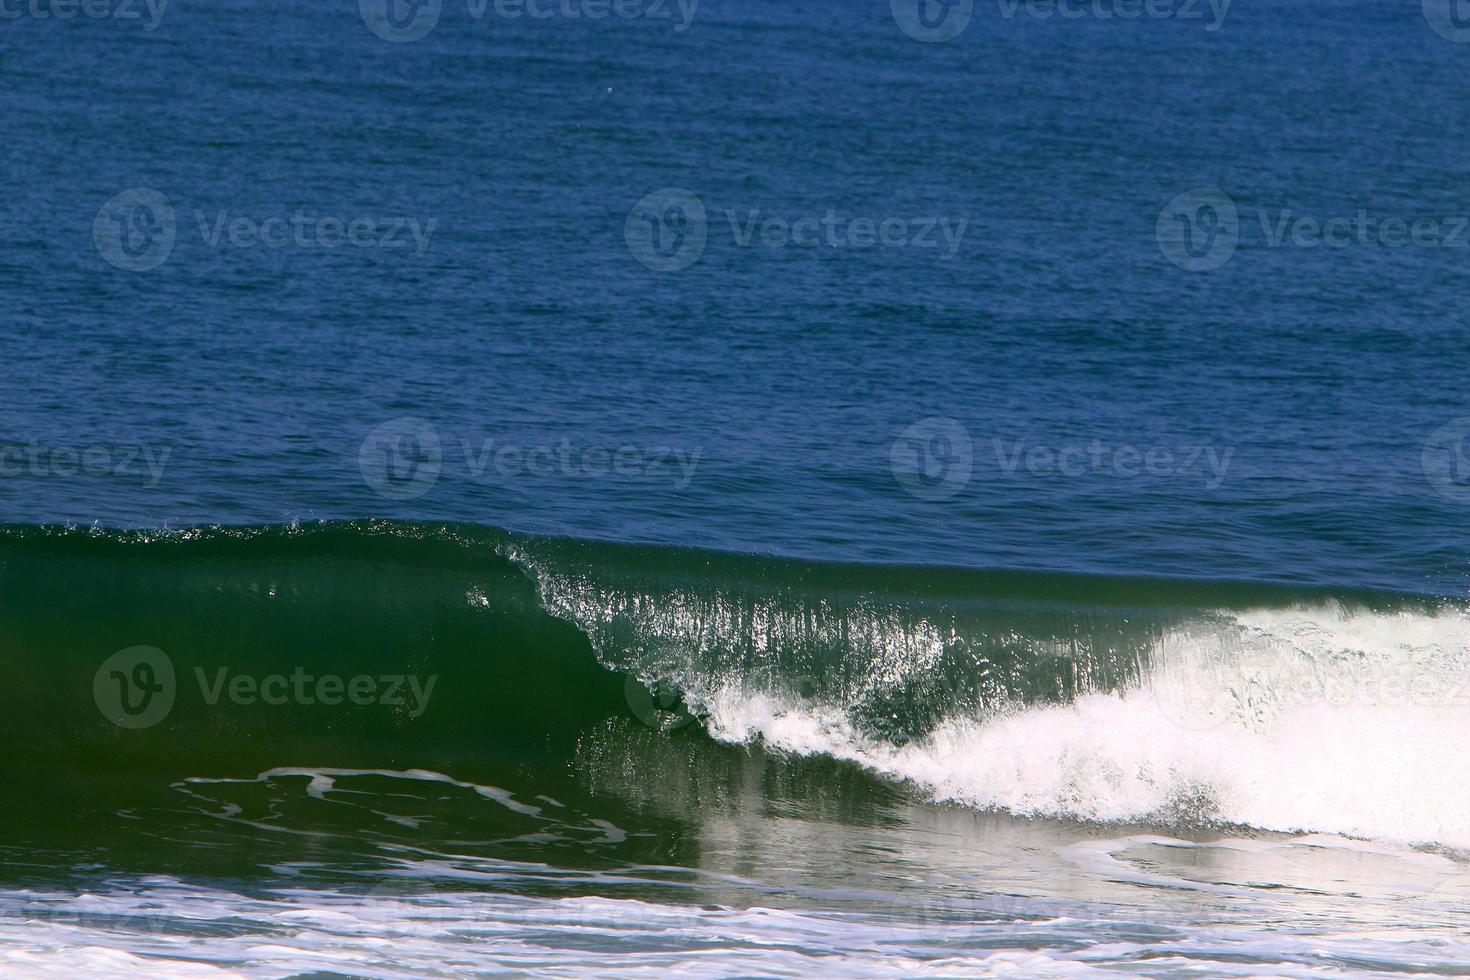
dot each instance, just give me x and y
(739, 488)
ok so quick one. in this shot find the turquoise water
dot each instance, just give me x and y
(751, 488)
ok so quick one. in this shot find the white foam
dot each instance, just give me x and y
(167, 928)
(1331, 720)
(164, 931)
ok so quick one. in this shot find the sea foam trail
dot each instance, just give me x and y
(1320, 720)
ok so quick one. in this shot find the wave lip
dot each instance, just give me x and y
(1117, 702)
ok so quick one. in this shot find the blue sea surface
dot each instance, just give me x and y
(1288, 396)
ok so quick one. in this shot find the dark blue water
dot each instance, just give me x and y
(1099, 407)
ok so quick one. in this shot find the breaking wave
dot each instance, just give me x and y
(1100, 699)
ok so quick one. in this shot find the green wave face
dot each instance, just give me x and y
(140, 664)
(454, 638)
(232, 611)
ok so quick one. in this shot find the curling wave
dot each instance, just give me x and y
(1040, 694)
